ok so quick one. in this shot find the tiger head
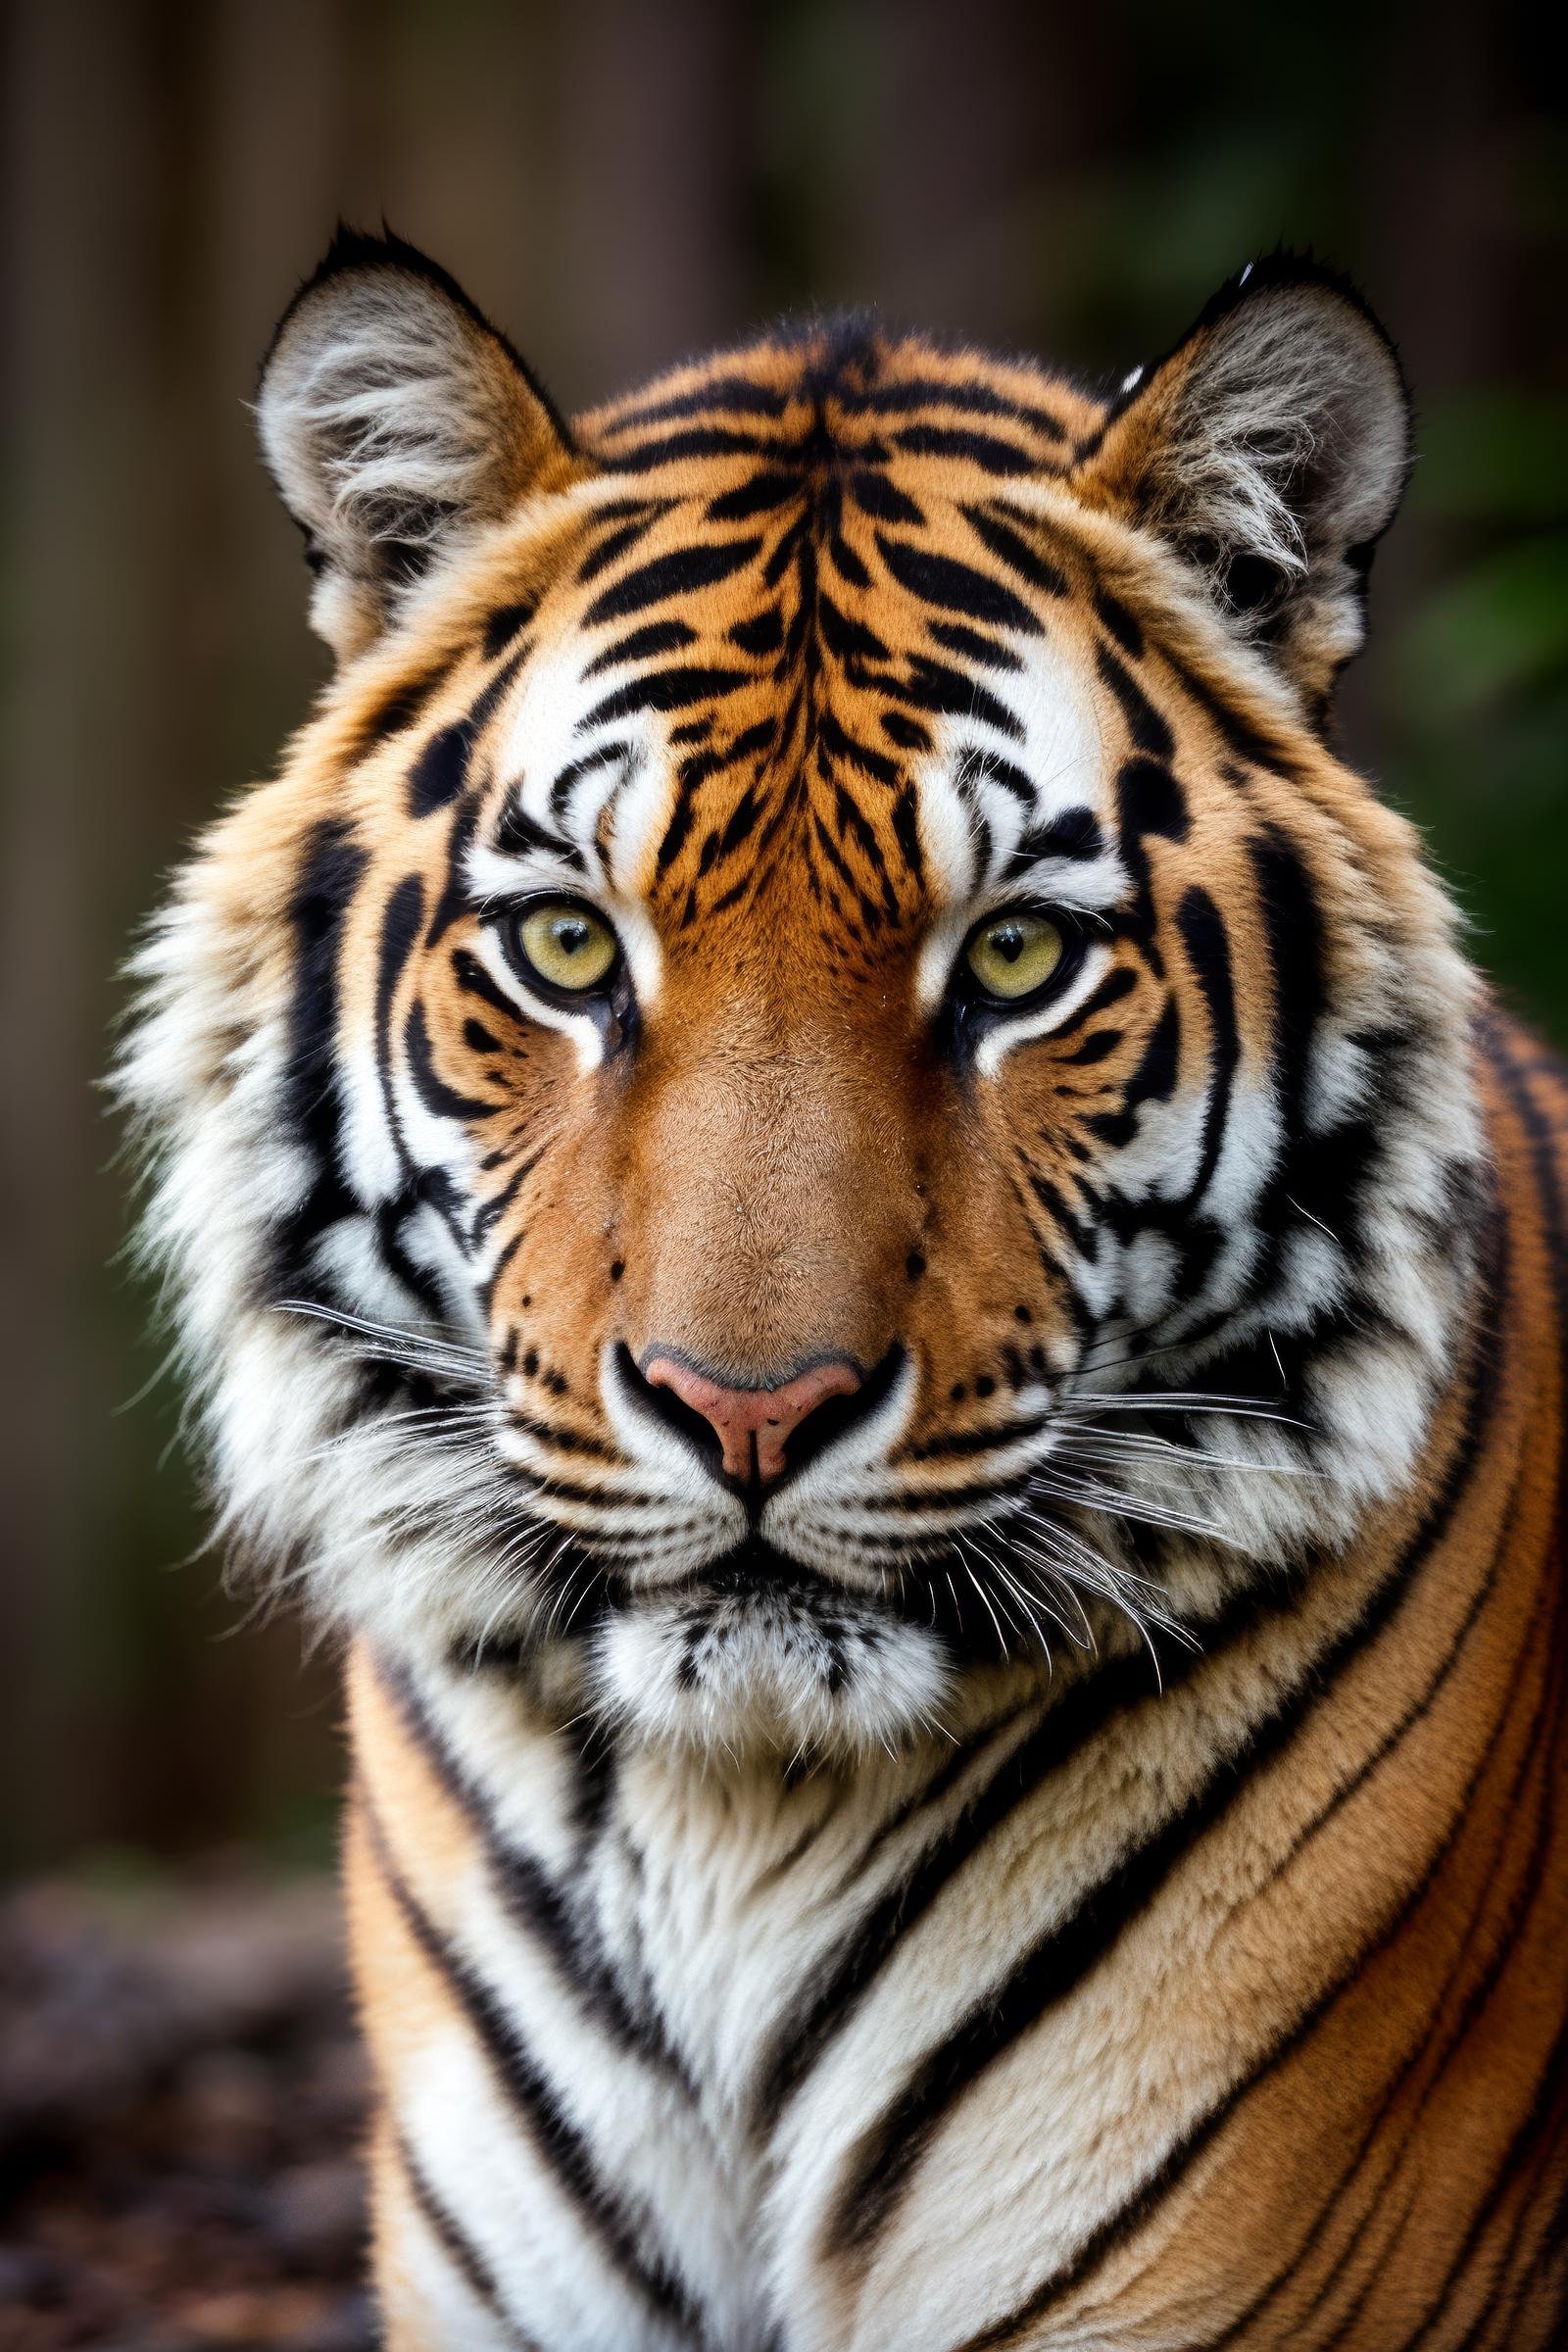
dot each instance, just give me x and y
(812, 1077)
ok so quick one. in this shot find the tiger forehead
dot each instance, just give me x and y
(860, 678)
(845, 384)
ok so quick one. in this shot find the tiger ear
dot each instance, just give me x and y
(395, 421)
(1270, 449)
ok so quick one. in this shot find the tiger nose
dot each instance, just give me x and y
(753, 1425)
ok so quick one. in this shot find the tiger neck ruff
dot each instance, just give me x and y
(851, 1210)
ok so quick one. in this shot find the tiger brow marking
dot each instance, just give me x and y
(551, 2135)
(400, 708)
(441, 770)
(603, 754)
(519, 834)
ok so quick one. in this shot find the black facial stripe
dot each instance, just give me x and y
(331, 873)
(441, 770)
(444, 1101)
(932, 686)
(1150, 731)
(679, 573)
(956, 587)
(1153, 1080)
(506, 623)
(624, 524)
(977, 766)
(1073, 834)
(674, 689)
(658, 637)
(988, 653)
(1149, 802)
(1208, 945)
(520, 835)
(986, 450)
(605, 754)
(399, 709)
(1019, 553)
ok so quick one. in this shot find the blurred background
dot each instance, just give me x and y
(619, 182)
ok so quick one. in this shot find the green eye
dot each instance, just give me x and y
(1013, 954)
(566, 946)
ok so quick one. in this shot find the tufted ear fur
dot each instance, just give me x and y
(1270, 448)
(394, 419)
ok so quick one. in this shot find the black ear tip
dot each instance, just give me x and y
(355, 250)
(351, 249)
(1288, 269)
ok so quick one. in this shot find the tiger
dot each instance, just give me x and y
(855, 1219)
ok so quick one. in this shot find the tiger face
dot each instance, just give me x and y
(813, 1080)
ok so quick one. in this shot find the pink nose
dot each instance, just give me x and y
(752, 1424)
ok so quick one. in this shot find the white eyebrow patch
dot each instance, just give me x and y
(1004, 817)
(567, 767)
(544, 829)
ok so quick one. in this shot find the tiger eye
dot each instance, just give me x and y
(567, 945)
(1014, 954)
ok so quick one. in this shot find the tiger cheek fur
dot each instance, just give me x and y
(853, 1211)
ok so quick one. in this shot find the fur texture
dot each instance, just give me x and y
(1071, 1861)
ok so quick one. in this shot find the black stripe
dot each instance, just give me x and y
(678, 573)
(519, 834)
(503, 625)
(1471, 2009)
(987, 450)
(971, 397)
(537, 1904)
(630, 524)
(330, 872)
(555, 2139)
(1082, 1714)
(934, 686)
(673, 689)
(441, 770)
(1059, 1959)
(1119, 2227)
(1149, 730)
(1019, 554)
(458, 2248)
(399, 709)
(1115, 2230)
(741, 394)
(658, 637)
(1208, 945)
(433, 1089)
(956, 587)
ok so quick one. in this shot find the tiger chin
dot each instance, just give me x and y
(852, 1212)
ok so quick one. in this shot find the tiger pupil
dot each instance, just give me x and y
(1008, 943)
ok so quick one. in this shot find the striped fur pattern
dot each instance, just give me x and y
(1074, 1861)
